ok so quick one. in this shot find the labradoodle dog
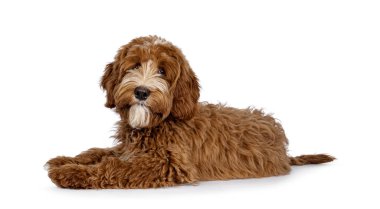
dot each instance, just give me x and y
(166, 137)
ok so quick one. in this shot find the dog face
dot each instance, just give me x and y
(150, 80)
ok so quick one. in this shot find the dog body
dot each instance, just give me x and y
(229, 143)
(166, 137)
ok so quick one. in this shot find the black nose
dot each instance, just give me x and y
(141, 93)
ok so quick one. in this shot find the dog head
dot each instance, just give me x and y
(150, 80)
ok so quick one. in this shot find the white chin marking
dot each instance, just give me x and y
(139, 116)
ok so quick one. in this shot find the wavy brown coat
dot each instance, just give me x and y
(185, 141)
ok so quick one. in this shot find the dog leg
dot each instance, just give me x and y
(143, 172)
(91, 156)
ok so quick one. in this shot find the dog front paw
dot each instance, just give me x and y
(58, 161)
(70, 176)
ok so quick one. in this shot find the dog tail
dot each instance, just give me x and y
(310, 159)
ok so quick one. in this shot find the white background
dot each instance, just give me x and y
(314, 64)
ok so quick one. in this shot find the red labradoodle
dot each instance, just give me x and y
(166, 137)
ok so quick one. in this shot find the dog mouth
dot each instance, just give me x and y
(138, 103)
(143, 104)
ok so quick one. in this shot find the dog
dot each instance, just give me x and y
(165, 137)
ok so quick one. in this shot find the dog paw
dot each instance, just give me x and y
(58, 161)
(70, 176)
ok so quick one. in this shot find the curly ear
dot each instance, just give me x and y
(111, 74)
(186, 93)
(108, 83)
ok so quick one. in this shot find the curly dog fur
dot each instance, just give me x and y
(166, 137)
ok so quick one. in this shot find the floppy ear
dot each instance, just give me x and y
(186, 93)
(108, 83)
(111, 74)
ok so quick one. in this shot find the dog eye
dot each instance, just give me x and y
(136, 66)
(161, 71)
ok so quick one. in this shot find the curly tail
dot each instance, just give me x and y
(310, 159)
